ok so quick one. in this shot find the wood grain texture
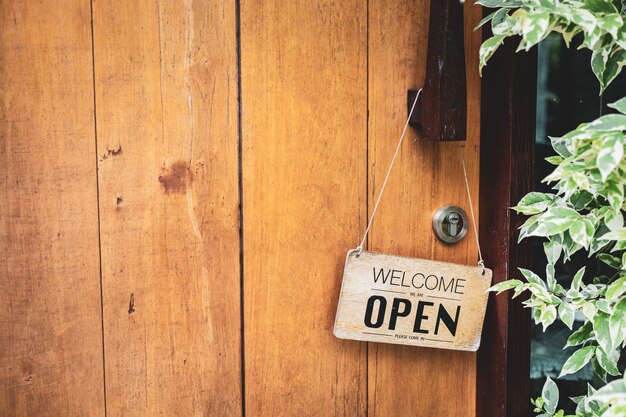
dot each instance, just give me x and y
(426, 176)
(304, 167)
(166, 92)
(50, 324)
(507, 141)
(414, 297)
(442, 107)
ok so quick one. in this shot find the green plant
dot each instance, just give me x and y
(600, 23)
(586, 210)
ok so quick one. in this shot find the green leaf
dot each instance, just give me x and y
(613, 393)
(578, 360)
(567, 314)
(554, 221)
(505, 285)
(554, 160)
(619, 245)
(607, 123)
(614, 221)
(613, 67)
(534, 203)
(602, 332)
(510, 4)
(486, 19)
(541, 293)
(578, 279)
(535, 28)
(529, 225)
(600, 6)
(599, 372)
(617, 323)
(582, 232)
(560, 146)
(552, 250)
(616, 289)
(614, 235)
(580, 336)
(550, 395)
(581, 199)
(599, 59)
(611, 153)
(614, 193)
(532, 277)
(585, 19)
(550, 279)
(589, 310)
(548, 316)
(619, 105)
(607, 362)
(519, 290)
(488, 48)
(610, 260)
(603, 305)
(617, 410)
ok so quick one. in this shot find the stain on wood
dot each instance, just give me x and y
(131, 304)
(50, 324)
(166, 93)
(111, 152)
(176, 178)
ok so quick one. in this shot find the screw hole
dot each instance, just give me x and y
(453, 107)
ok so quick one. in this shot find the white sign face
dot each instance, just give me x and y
(409, 301)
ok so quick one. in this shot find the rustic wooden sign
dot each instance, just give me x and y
(409, 301)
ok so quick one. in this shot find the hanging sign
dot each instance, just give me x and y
(409, 301)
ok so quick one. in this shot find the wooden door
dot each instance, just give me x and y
(181, 181)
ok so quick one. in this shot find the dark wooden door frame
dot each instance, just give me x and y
(507, 142)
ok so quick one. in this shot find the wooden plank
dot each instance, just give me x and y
(506, 175)
(50, 324)
(304, 192)
(166, 88)
(427, 175)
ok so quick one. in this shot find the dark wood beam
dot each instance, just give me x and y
(507, 143)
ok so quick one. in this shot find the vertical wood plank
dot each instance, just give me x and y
(426, 176)
(304, 191)
(166, 88)
(50, 324)
(508, 141)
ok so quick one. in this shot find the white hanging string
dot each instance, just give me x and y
(359, 248)
(382, 189)
(481, 262)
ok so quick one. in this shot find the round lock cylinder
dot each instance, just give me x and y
(450, 224)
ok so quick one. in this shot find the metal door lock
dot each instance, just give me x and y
(450, 224)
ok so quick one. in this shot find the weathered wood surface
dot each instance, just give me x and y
(441, 110)
(408, 301)
(50, 325)
(426, 176)
(166, 98)
(304, 86)
(322, 104)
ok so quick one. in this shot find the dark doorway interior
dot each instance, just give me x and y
(567, 94)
